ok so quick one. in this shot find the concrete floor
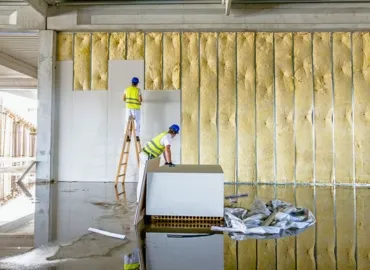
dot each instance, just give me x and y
(80, 205)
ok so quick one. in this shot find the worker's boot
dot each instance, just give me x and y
(138, 138)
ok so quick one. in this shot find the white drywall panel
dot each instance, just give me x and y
(90, 124)
(184, 192)
(89, 135)
(160, 110)
(120, 75)
(167, 253)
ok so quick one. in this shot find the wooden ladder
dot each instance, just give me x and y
(125, 152)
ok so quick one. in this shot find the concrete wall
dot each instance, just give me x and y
(90, 124)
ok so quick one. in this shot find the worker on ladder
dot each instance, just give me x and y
(133, 98)
(154, 148)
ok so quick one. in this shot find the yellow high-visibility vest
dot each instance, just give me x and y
(132, 97)
(154, 147)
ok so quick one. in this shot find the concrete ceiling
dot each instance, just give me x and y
(18, 63)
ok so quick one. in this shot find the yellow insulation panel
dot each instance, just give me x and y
(286, 245)
(303, 106)
(306, 240)
(208, 98)
(325, 228)
(64, 46)
(247, 249)
(171, 61)
(346, 228)
(153, 61)
(323, 107)
(227, 103)
(361, 77)
(189, 92)
(135, 46)
(363, 225)
(117, 46)
(99, 61)
(265, 107)
(266, 256)
(246, 108)
(82, 61)
(343, 107)
(284, 92)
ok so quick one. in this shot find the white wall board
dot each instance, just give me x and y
(90, 125)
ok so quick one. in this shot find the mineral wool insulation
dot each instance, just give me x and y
(268, 107)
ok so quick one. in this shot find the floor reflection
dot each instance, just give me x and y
(339, 240)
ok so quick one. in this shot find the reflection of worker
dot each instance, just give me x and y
(132, 261)
(133, 98)
(154, 148)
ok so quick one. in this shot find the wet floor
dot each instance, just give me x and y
(339, 240)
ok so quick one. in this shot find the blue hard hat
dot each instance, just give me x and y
(175, 128)
(135, 80)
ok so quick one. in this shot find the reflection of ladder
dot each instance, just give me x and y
(123, 160)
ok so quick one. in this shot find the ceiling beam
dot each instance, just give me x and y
(18, 83)
(39, 5)
(227, 7)
(18, 65)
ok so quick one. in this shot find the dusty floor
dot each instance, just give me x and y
(338, 241)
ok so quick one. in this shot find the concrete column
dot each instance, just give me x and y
(46, 86)
(45, 137)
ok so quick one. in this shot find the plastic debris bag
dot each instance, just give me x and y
(285, 219)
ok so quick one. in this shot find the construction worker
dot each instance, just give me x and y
(154, 148)
(133, 98)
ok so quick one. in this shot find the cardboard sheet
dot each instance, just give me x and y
(306, 240)
(266, 248)
(82, 60)
(208, 99)
(117, 46)
(265, 107)
(64, 46)
(171, 61)
(363, 225)
(323, 107)
(99, 61)
(303, 107)
(227, 104)
(135, 46)
(246, 108)
(361, 80)
(325, 225)
(346, 228)
(286, 245)
(247, 250)
(284, 92)
(153, 61)
(189, 98)
(343, 134)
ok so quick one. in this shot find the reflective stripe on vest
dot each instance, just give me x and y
(154, 147)
(132, 97)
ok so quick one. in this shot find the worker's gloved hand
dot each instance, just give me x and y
(170, 164)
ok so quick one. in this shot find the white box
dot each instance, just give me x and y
(185, 190)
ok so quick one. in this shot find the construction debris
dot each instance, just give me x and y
(115, 235)
(271, 220)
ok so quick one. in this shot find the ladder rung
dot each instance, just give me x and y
(123, 163)
(121, 175)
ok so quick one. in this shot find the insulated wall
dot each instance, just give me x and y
(268, 107)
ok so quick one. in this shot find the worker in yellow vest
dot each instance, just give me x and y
(133, 98)
(154, 148)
